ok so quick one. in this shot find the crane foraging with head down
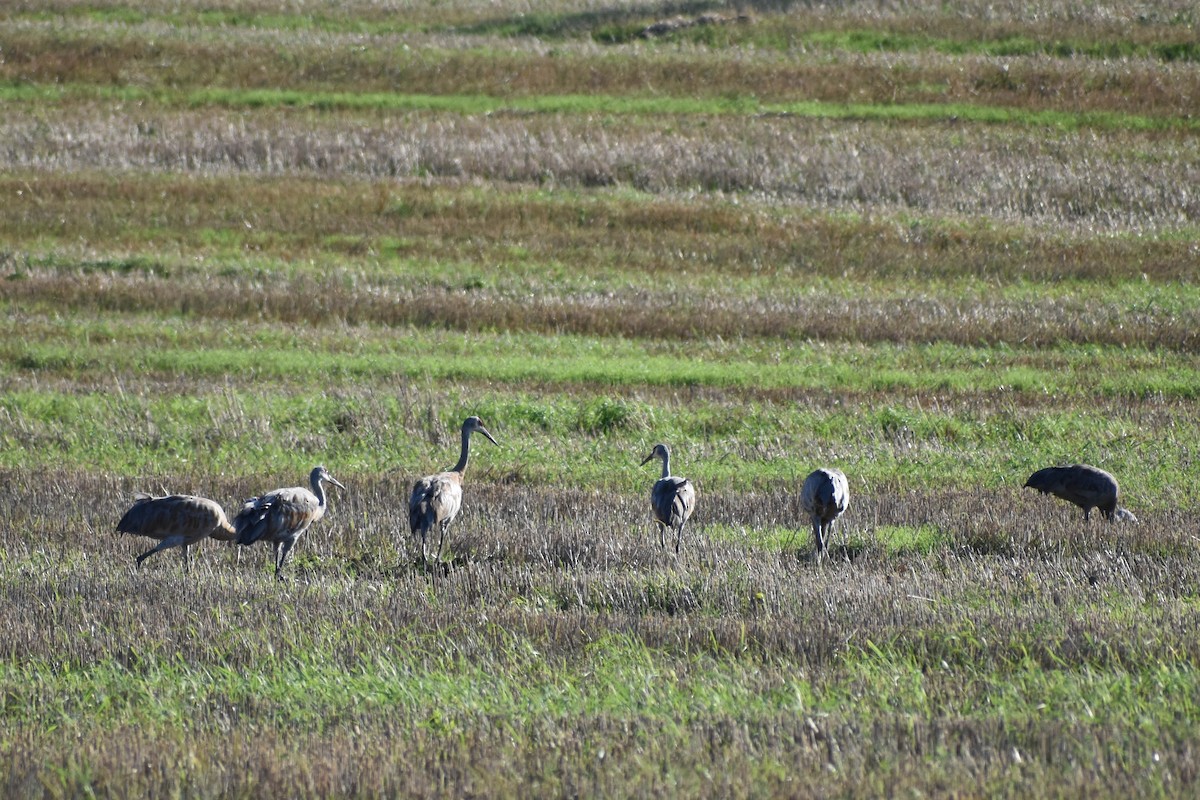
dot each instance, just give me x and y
(1084, 485)
(825, 496)
(177, 520)
(283, 515)
(436, 499)
(672, 498)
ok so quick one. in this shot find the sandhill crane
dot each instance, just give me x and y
(177, 520)
(1084, 485)
(825, 496)
(282, 516)
(673, 499)
(436, 499)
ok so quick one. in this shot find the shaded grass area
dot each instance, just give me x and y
(704, 23)
(1018, 76)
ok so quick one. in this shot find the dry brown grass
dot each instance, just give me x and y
(154, 55)
(825, 315)
(1083, 181)
(423, 254)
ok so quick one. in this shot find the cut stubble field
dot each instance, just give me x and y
(935, 248)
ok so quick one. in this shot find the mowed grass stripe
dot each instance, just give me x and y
(592, 104)
(618, 676)
(582, 360)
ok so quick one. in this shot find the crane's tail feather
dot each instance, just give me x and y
(252, 522)
(422, 519)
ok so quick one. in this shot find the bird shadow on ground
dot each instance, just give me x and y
(440, 569)
(834, 554)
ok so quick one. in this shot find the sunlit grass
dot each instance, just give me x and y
(591, 104)
(936, 248)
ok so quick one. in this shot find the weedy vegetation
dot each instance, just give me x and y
(936, 246)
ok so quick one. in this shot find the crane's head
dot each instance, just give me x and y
(659, 451)
(474, 425)
(322, 474)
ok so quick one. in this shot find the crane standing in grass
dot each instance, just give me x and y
(177, 520)
(436, 499)
(825, 496)
(672, 498)
(282, 516)
(1084, 485)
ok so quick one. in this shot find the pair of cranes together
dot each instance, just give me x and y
(282, 516)
(825, 496)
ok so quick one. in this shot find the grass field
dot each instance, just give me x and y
(938, 246)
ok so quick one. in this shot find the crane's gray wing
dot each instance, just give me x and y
(193, 518)
(825, 494)
(685, 501)
(281, 513)
(673, 500)
(435, 499)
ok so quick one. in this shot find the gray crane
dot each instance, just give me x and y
(1084, 485)
(825, 496)
(672, 498)
(282, 516)
(177, 520)
(436, 499)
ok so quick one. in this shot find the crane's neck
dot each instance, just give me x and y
(461, 466)
(318, 488)
(666, 457)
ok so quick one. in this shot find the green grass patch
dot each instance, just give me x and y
(618, 677)
(594, 104)
(915, 539)
(277, 353)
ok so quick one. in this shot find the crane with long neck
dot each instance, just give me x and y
(282, 516)
(672, 498)
(436, 499)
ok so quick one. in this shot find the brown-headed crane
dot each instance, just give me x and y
(436, 499)
(283, 515)
(672, 498)
(177, 520)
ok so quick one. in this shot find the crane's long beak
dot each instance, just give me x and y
(646, 460)
(335, 482)
(484, 431)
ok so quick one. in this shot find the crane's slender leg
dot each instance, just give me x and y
(441, 541)
(819, 538)
(187, 564)
(147, 554)
(678, 537)
(283, 554)
(662, 536)
(165, 544)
